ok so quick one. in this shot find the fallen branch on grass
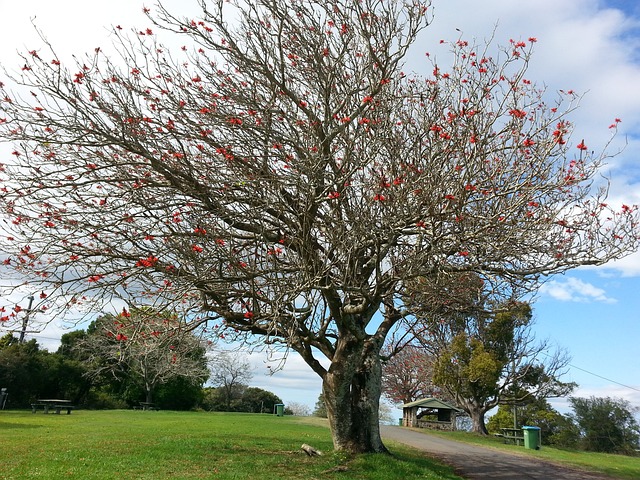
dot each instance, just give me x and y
(309, 450)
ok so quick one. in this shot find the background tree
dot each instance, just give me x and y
(244, 399)
(145, 346)
(486, 353)
(298, 409)
(320, 409)
(230, 372)
(29, 372)
(606, 424)
(257, 400)
(285, 176)
(408, 375)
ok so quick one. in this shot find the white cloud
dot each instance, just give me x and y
(611, 390)
(295, 382)
(575, 290)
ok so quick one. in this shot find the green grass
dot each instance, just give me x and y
(124, 444)
(618, 466)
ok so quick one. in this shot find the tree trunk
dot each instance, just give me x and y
(477, 417)
(351, 389)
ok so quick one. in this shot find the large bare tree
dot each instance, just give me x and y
(284, 175)
(407, 375)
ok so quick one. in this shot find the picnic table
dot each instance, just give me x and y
(148, 406)
(56, 404)
(512, 435)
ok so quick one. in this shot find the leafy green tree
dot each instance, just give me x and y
(243, 399)
(257, 400)
(286, 177)
(606, 424)
(30, 373)
(21, 370)
(320, 409)
(179, 393)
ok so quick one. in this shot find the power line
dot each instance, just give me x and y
(596, 375)
(605, 378)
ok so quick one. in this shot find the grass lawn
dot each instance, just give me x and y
(618, 466)
(128, 444)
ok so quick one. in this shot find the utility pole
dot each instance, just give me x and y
(26, 319)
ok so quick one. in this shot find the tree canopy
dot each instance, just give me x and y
(606, 424)
(284, 175)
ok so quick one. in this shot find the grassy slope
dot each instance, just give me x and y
(618, 466)
(186, 445)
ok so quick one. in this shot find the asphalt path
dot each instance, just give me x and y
(472, 461)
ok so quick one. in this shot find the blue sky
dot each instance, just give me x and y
(590, 46)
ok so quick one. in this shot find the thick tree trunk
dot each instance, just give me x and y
(351, 389)
(477, 419)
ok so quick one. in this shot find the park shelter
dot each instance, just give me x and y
(430, 413)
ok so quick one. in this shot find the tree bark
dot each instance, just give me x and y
(351, 389)
(477, 419)
(149, 394)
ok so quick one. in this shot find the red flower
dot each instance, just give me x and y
(581, 146)
(197, 248)
(150, 261)
(235, 121)
(333, 195)
(379, 198)
(464, 253)
(517, 113)
(248, 315)
(121, 337)
(528, 142)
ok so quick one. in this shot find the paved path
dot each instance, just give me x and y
(472, 461)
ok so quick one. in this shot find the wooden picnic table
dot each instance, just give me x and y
(148, 406)
(57, 404)
(512, 435)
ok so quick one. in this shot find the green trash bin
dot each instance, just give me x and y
(531, 437)
(279, 409)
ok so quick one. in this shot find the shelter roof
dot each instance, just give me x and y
(431, 403)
